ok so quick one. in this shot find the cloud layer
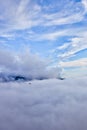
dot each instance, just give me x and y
(43, 105)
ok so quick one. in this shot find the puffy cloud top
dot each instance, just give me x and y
(26, 64)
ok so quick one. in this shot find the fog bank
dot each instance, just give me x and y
(44, 105)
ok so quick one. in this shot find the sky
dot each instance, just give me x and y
(55, 30)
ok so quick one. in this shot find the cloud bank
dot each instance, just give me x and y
(25, 64)
(44, 105)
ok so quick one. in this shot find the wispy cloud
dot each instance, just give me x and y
(75, 63)
(73, 46)
(74, 18)
(64, 46)
(76, 45)
(27, 14)
(50, 36)
(84, 2)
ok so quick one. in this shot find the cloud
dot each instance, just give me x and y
(49, 104)
(28, 14)
(74, 68)
(74, 18)
(51, 36)
(84, 2)
(20, 15)
(64, 46)
(72, 12)
(26, 64)
(75, 63)
(74, 45)
(74, 71)
(63, 55)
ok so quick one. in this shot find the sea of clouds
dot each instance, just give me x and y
(44, 105)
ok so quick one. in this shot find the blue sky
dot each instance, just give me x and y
(54, 29)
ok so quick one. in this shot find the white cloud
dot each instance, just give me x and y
(75, 71)
(64, 46)
(72, 12)
(76, 63)
(84, 2)
(75, 45)
(27, 14)
(48, 105)
(51, 35)
(20, 15)
(9, 36)
(25, 63)
(74, 18)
